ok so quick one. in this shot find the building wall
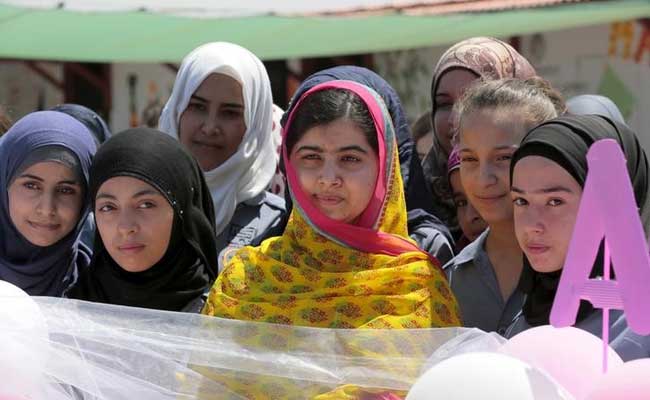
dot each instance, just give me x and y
(139, 93)
(23, 91)
(612, 60)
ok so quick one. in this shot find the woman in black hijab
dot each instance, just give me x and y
(155, 245)
(548, 173)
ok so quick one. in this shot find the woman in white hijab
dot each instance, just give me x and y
(221, 110)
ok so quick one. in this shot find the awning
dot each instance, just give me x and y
(59, 34)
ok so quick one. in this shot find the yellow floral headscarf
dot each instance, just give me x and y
(325, 273)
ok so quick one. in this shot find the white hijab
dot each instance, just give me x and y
(248, 172)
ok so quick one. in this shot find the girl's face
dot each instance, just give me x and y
(546, 200)
(488, 138)
(469, 220)
(134, 221)
(451, 86)
(212, 126)
(45, 202)
(336, 168)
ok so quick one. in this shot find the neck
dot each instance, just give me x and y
(502, 237)
(505, 255)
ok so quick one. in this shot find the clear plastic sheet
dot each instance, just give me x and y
(54, 348)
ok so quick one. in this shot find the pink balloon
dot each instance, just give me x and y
(573, 357)
(628, 381)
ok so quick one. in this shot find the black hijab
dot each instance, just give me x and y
(190, 262)
(566, 140)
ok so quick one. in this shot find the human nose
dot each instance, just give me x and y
(126, 224)
(530, 220)
(487, 174)
(47, 204)
(329, 175)
(210, 125)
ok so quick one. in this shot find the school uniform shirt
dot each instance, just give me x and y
(254, 220)
(474, 283)
(592, 324)
(431, 235)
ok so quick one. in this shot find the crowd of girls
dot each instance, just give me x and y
(333, 214)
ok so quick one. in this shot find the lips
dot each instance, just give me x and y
(131, 248)
(536, 248)
(44, 225)
(206, 144)
(328, 199)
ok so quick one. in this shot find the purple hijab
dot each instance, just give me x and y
(42, 271)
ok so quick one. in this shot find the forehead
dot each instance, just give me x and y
(336, 134)
(220, 88)
(491, 128)
(50, 170)
(124, 186)
(535, 172)
(455, 81)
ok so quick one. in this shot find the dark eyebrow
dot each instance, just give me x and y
(199, 98)
(498, 148)
(144, 192)
(147, 192)
(552, 189)
(69, 183)
(353, 147)
(38, 178)
(102, 195)
(310, 148)
(339, 150)
(232, 105)
(34, 177)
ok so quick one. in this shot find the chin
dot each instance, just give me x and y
(43, 242)
(543, 266)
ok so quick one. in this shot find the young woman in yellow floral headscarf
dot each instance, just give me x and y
(345, 259)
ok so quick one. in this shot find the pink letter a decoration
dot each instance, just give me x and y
(607, 210)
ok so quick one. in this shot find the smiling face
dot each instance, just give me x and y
(45, 202)
(213, 126)
(546, 200)
(336, 168)
(488, 138)
(134, 221)
(451, 86)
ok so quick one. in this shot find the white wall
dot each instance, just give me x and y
(579, 61)
(153, 86)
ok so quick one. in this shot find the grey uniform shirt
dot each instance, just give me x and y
(254, 221)
(592, 324)
(474, 283)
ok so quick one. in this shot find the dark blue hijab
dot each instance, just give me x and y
(416, 190)
(88, 117)
(42, 271)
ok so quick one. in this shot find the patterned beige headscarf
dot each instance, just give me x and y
(489, 59)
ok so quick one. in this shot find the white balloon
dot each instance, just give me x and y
(485, 376)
